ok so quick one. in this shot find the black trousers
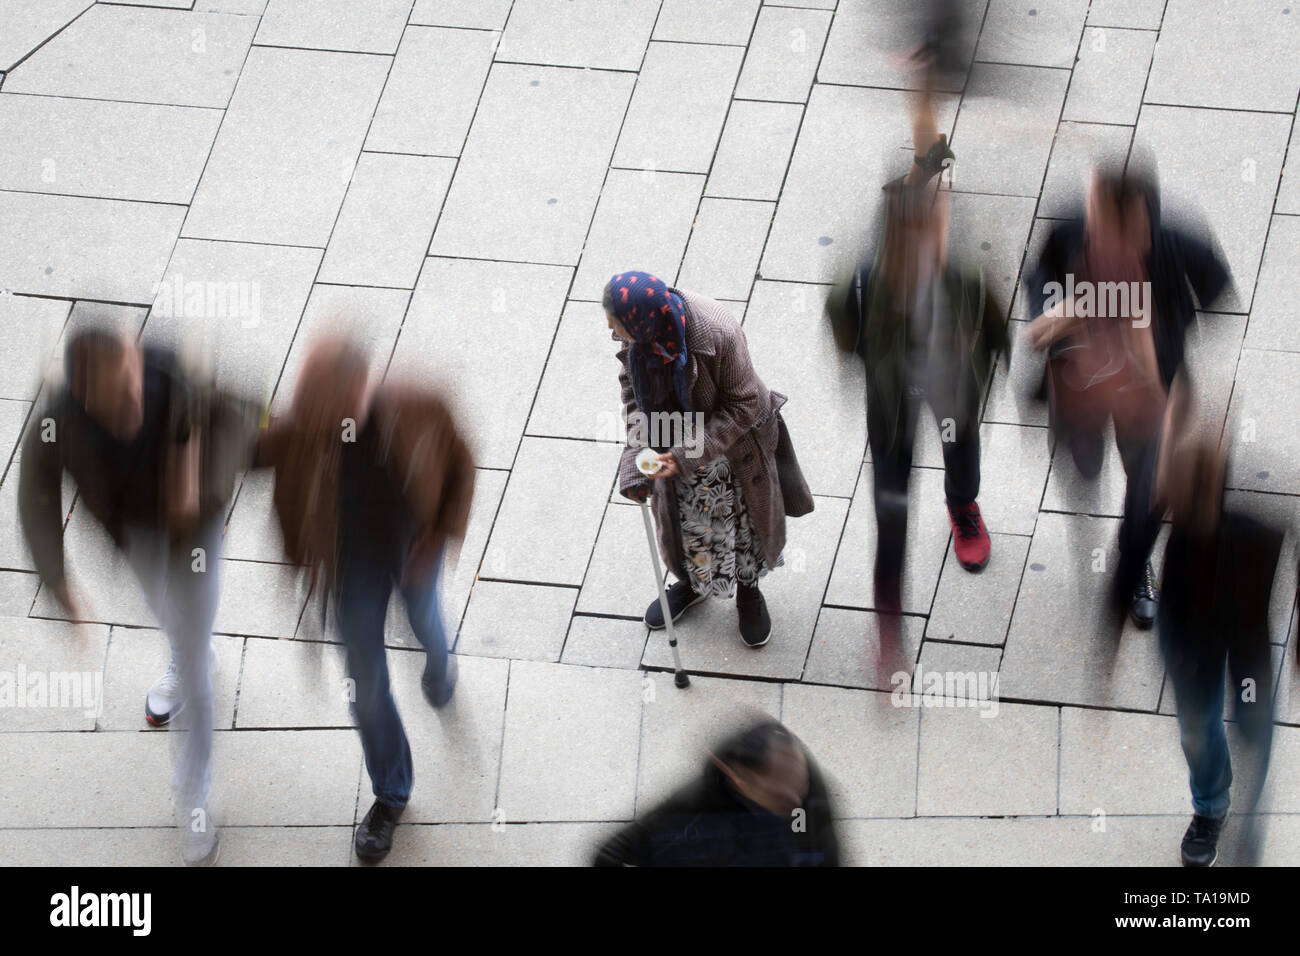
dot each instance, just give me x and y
(891, 464)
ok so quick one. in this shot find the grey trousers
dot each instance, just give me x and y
(181, 582)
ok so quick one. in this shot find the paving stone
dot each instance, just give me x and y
(1226, 164)
(792, 350)
(542, 203)
(483, 15)
(1110, 76)
(848, 136)
(754, 151)
(13, 547)
(692, 83)
(1262, 401)
(138, 657)
(1213, 348)
(17, 592)
(491, 390)
(179, 58)
(973, 761)
(1134, 14)
(599, 642)
(495, 627)
(1025, 31)
(663, 207)
(1068, 491)
(1004, 132)
(679, 728)
(238, 302)
(976, 608)
(51, 676)
(1273, 314)
(504, 844)
(13, 418)
(285, 778)
(453, 62)
(725, 246)
(846, 644)
(783, 54)
(957, 675)
(1116, 762)
(570, 743)
(73, 147)
(533, 540)
(29, 330)
(293, 684)
(456, 749)
(580, 396)
(260, 600)
(927, 540)
(585, 33)
(387, 220)
(116, 252)
(868, 37)
(1061, 645)
(28, 25)
(865, 747)
(619, 579)
(1242, 36)
(86, 846)
(1080, 148)
(991, 232)
(710, 639)
(1009, 496)
(706, 21)
(374, 27)
(83, 780)
(1288, 194)
(287, 147)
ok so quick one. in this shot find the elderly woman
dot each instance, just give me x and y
(727, 474)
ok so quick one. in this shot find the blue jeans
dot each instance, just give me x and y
(1198, 673)
(364, 589)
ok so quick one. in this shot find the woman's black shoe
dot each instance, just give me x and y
(1201, 841)
(680, 596)
(755, 623)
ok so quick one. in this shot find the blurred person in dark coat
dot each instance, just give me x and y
(760, 801)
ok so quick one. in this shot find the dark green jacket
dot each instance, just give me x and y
(864, 320)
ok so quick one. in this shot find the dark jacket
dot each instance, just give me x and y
(741, 420)
(1177, 266)
(863, 321)
(228, 427)
(707, 824)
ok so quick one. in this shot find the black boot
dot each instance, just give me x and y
(1201, 841)
(1146, 598)
(375, 834)
(755, 623)
(680, 596)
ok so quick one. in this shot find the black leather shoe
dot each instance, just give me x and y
(375, 835)
(755, 623)
(1201, 841)
(1145, 599)
(680, 597)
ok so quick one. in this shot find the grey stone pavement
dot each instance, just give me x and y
(459, 179)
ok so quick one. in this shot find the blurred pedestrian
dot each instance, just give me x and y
(760, 801)
(728, 474)
(154, 454)
(371, 485)
(1112, 295)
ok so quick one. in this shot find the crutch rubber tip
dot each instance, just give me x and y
(681, 680)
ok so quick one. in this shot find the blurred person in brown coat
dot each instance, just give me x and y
(371, 485)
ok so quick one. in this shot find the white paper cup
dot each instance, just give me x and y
(647, 462)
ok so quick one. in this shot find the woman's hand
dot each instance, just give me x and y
(668, 466)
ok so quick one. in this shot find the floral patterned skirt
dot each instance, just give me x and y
(718, 538)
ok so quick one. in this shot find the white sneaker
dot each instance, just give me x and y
(164, 701)
(201, 849)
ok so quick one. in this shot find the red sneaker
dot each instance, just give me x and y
(970, 540)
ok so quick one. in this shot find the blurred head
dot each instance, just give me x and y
(1194, 483)
(333, 384)
(916, 232)
(105, 370)
(1119, 208)
(766, 765)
